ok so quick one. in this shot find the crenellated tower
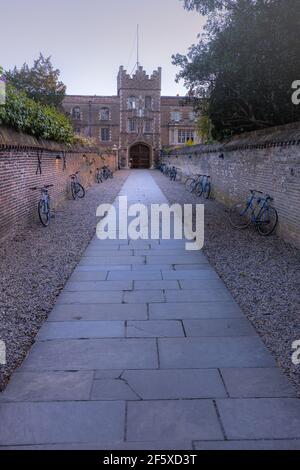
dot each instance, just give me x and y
(140, 126)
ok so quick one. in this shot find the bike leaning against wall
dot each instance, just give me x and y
(77, 190)
(44, 209)
(256, 211)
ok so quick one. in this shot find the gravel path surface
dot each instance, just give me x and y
(263, 275)
(35, 265)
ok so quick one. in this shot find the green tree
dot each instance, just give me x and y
(243, 67)
(40, 82)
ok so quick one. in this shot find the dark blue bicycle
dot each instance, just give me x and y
(257, 211)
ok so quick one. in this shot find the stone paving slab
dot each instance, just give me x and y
(176, 384)
(87, 276)
(264, 418)
(154, 275)
(176, 259)
(173, 420)
(92, 354)
(186, 353)
(81, 330)
(95, 312)
(203, 274)
(219, 327)
(193, 310)
(100, 252)
(154, 329)
(98, 286)
(49, 386)
(199, 295)
(151, 268)
(249, 445)
(112, 389)
(198, 284)
(102, 268)
(117, 260)
(148, 296)
(191, 267)
(257, 383)
(155, 285)
(90, 297)
(50, 422)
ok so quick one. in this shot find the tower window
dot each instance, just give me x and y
(148, 126)
(105, 134)
(148, 102)
(104, 114)
(132, 102)
(131, 125)
(76, 113)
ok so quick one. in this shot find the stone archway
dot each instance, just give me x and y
(140, 156)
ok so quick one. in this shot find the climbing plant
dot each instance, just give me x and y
(31, 117)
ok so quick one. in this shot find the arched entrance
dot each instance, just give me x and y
(139, 155)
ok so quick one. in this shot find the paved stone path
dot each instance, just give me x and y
(146, 349)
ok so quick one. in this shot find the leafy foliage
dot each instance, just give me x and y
(87, 142)
(41, 82)
(244, 65)
(26, 115)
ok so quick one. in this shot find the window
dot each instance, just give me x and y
(184, 135)
(148, 102)
(172, 134)
(104, 114)
(148, 126)
(105, 134)
(77, 130)
(132, 102)
(192, 116)
(76, 113)
(131, 125)
(175, 116)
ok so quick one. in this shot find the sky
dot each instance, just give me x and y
(89, 39)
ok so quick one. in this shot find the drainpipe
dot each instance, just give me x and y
(90, 119)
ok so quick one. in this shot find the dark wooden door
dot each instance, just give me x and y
(140, 156)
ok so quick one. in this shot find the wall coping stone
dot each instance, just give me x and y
(12, 139)
(279, 136)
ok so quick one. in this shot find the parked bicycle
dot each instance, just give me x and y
(99, 175)
(77, 189)
(257, 211)
(44, 209)
(103, 173)
(204, 187)
(107, 173)
(192, 182)
(173, 173)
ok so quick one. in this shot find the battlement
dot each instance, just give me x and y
(140, 79)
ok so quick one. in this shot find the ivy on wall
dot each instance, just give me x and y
(31, 117)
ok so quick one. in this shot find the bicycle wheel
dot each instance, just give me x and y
(206, 191)
(44, 213)
(73, 190)
(188, 183)
(80, 191)
(240, 216)
(198, 190)
(267, 221)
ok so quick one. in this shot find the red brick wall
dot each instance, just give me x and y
(18, 204)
